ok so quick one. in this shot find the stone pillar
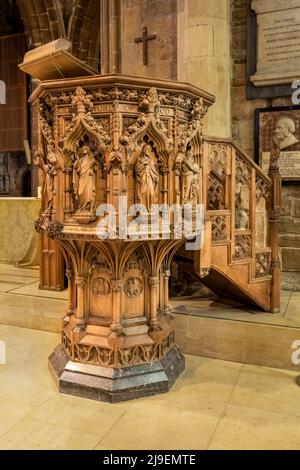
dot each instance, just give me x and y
(204, 58)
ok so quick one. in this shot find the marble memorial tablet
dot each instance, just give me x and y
(278, 42)
(282, 124)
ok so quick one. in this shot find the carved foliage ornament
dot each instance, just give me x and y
(263, 189)
(263, 264)
(243, 171)
(218, 159)
(39, 224)
(136, 261)
(53, 230)
(101, 287)
(216, 193)
(121, 94)
(194, 125)
(242, 247)
(148, 122)
(45, 123)
(83, 123)
(90, 354)
(133, 287)
(219, 228)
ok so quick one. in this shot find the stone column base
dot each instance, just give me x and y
(115, 385)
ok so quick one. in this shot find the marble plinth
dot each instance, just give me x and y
(115, 385)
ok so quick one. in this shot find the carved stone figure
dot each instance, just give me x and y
(284, 132)
(242, 219)
(48, 166)
(84, 180)
(241, 207)
(147, 178)
(190, 179)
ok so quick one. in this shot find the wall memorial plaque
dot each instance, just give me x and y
(282, 124)
(278, 42)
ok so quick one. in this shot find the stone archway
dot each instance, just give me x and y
(84, 31)
(43, 21)
(78, 21)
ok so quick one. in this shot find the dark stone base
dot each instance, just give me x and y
(115, 385)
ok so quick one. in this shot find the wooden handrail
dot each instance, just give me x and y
(211, 139)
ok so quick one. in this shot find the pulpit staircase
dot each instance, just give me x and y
(239, 257)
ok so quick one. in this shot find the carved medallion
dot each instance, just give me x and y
(101, 287)
(133, 287)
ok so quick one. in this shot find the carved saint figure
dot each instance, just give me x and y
(241, 208)
(190, 179)
(48, 166)
(84, 180)
(147, 178)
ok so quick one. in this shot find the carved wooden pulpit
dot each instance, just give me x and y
(113, 149)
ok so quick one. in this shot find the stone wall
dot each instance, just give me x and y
(10, 21)
(192, 45)
(243, 135)
(290, 237)
(204, 57)
(160, 18)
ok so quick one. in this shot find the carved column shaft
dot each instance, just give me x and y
(165, 186)
(68, 191)
(166, 277)
(70, 277)
(116, 325)
(273, 234)
(153, 283)
(80, 311)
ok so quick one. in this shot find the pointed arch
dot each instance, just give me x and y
(84, 31)
(43, 21)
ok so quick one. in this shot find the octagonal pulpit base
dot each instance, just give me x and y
(115, 385)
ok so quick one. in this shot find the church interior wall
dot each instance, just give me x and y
(159, 17)
(204, 56)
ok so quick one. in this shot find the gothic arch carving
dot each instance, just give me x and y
(83, 124)
(148, 123)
